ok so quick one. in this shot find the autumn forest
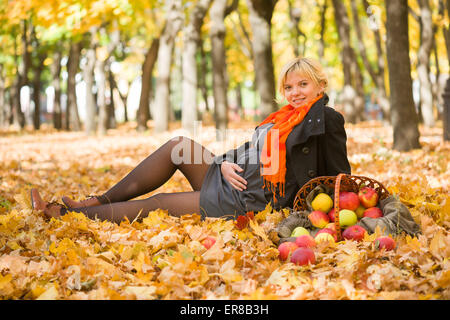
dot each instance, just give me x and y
(90, 88)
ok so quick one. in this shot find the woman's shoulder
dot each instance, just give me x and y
(333, 118)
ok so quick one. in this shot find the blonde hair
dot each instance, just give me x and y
(309, 67)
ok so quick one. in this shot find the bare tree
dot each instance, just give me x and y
(403, 115)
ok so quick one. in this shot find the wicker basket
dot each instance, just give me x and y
(341, 182)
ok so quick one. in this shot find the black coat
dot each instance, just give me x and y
(315, 147)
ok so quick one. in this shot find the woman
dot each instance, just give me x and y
(302, 140)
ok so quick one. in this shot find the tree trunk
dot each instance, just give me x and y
(143, 113)
(55, 69)
(37, 90)
(123, 97)
(27, 65)
(2, 99)
(202, 75)
(260, 20)
(383, 99)
(446, 31)
(423, 57)
(88, 77)
(353, 93)
(100, 81)
(220, 85)
(38, 67)
(164, 62)
(111, 107)
(323, 11)
(294, 16)
(72, 118)
(189, 67)
(403, 115)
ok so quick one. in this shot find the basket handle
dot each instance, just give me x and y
(337, 187)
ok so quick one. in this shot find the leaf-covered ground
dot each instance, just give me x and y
(162, 257)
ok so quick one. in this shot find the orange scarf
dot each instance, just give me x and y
(273, 169)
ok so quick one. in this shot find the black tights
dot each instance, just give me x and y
(182, 153)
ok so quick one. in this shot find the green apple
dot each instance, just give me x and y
(299, 231)
(347, 218)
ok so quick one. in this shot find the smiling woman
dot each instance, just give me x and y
(302, 140)
(302, 80)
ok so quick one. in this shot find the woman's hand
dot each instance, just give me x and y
(228, 170)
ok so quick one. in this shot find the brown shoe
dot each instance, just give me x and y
(89, 202)
(50, 209)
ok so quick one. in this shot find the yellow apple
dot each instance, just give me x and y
(360, 211)
(299, 231)
(324, 237)
(322, 202)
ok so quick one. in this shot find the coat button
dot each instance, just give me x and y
(305, 150)
(311, 173)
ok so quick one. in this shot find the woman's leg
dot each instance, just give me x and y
(182, 153)
(177, 204)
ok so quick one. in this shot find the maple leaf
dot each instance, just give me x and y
(242, 222)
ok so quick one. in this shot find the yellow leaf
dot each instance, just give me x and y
(258, 230)
(49, 294)
(141, 293)
(14, 245)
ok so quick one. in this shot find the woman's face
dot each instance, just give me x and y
(299, 89)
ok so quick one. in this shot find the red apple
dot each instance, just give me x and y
(354, 232)
(331, 226)
(373, 212)
(318, 219)
(286, 248)
(208, 242)
(368, 197)
(348, 200)
(303, 256)
(331, 215)
(384, 242)
(305, 241)
(328, 230)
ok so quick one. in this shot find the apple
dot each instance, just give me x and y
(299, 231)
(373, 212)
(329, 231)
(285, 249)
(331, 226)
(354, 232)
(208, 242)
(318, 219)
(348, 200)
(324, 237)
(347, 218)
(384, 242)
(303, 256)
(305, 241)
(322, 202)
(360, 211)
(331, 215)
(368, 197)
